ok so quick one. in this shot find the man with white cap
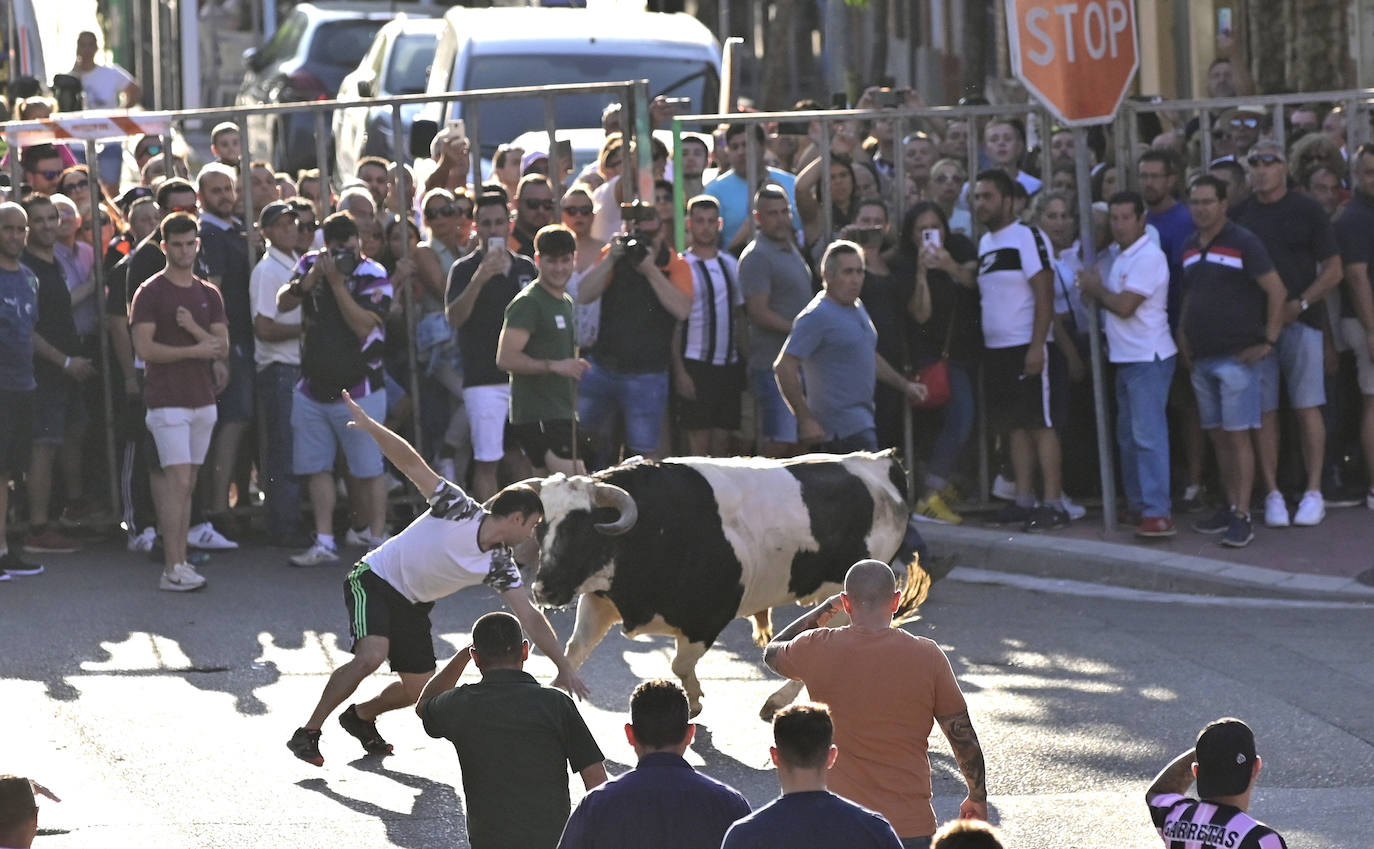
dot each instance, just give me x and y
(1225, 765)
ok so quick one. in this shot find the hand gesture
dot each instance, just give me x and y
(568, 680)
(81, 368)
(1035, 361)
(186, 321)
(361, 420)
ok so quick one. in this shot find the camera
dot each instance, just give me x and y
(636, 243)
(886, 99)
(345, 260)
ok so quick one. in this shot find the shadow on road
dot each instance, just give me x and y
(435, 818)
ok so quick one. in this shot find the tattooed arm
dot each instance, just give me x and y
(963, 740)
(812, 619)
(1177, 777)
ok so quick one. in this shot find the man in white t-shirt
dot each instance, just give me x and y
(1135, 296)
(1015, 282)
(103, 85)
(455, 544)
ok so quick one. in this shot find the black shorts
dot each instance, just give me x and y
(377, 609)
(1016, 400)
(536, 438)
(718, 391)
(16, 432)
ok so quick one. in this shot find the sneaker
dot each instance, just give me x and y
(5, 576)
(1311, 510)
(305, 744)
(316, 555)
(1075, 511)
(365, 731)
(1239, 532)
(205, 536)
(49, 542)
(1010, 514)
(1046, 517)
(11, 563)
(1337, 493)
(1156, 526)
(1217, 523)
(1275, 510)
(1192, 500)
(934, 508)
(144, 540)
(1003, 489)
(364, 538)
(182, 579)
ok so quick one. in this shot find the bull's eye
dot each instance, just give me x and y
(540, 528)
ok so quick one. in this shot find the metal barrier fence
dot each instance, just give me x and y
(634, 96)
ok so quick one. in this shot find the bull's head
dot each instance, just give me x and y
(577, 541)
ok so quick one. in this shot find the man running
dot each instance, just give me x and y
(457, 543)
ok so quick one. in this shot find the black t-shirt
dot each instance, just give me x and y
(477, 338)
(882, 297)
(515, 741)
(1298, 236)
(225, 254)
(55, 323)
(1355, 235)
(948, 302)
(1224, 308)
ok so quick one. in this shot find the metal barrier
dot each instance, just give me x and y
(111, 125)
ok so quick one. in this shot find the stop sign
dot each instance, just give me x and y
(1077, 56)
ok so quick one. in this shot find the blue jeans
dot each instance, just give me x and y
(864, 440)
(641, 398)
(1142, 433)
(276, 386)
(958, 422)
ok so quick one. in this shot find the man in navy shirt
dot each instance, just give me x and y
(1232, 314)
(662, 802)
(808, 815)
(18, 317)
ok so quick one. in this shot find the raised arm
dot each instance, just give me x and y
(968, 754)
(814, 618)
(446, 679)
(1177, 777)
(401, 453)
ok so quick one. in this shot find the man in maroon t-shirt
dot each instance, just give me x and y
(180, 331)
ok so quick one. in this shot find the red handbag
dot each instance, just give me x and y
(935, 376)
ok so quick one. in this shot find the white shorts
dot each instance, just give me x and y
(488, 410)
(182, 434)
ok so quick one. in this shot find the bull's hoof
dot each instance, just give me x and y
(693, 709)
(767, 711)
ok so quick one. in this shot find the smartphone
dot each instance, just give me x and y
(930, 237)
(457, 128)
(496, 243)
(1224, 21)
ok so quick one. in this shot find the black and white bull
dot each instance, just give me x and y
(684, 546)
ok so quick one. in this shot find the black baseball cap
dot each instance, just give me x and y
(1225, 755)
(273, 211)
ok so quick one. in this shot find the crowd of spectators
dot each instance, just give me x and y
(1232, 321)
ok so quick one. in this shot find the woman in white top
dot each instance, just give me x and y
(577, 210)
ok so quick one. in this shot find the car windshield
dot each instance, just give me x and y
(410, 61)
(343, 43)
(689, 78)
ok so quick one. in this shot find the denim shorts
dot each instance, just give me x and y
(776, 422)
(1228, 393)
(320, 429)
(1300, 357)
(641, 397)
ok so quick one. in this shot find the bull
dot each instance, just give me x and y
(683, 546)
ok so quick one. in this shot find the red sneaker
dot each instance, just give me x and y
(49, 542)
(1156, 526)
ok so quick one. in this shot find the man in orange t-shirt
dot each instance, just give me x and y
(885, 688)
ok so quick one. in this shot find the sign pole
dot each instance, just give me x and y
(1088, 248)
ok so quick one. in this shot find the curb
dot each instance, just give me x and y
(1137, 567)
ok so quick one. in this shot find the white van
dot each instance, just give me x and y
(532, 46)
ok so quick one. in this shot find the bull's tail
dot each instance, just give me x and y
(916, 585)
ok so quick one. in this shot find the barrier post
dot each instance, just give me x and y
(679, 190)
(106, 366)
(644, 150)
(553, 166)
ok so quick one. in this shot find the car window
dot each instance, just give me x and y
(343, 43)
(689, 78)
(285, 40)
(410, 61)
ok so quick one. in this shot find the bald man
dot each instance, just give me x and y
(885, 688)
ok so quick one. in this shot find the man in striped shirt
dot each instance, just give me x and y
(708, 373)
(1226, 766)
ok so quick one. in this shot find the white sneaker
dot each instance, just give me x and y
(1075, 511)
(1003, 489)
(365, 538)
(1311, 510)
(316, 555)
(143, 541)
(204, 536)
(182, 579)
(1276, 510)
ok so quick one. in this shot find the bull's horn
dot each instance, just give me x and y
(610, 495)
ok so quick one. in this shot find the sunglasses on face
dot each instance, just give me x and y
(49, 175)
(69, 188)
(578, 210)
(545, 205)
(1256, 159)
(446, 211)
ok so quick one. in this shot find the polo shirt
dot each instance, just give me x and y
(836, 344)
(647, 806)
(515, 741)
(273, 271)
(1225, 309)
(1007, 260)
(735, 198)
(1355, 235)
(775, 269)
(479, 335)
(1142, 269)
(1298, 236)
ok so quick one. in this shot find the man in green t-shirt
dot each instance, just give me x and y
(537, 348)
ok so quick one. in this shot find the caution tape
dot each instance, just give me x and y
(87, 125)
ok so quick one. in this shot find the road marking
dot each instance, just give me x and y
(1060, 586)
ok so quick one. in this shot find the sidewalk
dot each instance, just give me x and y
(1334, 560)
